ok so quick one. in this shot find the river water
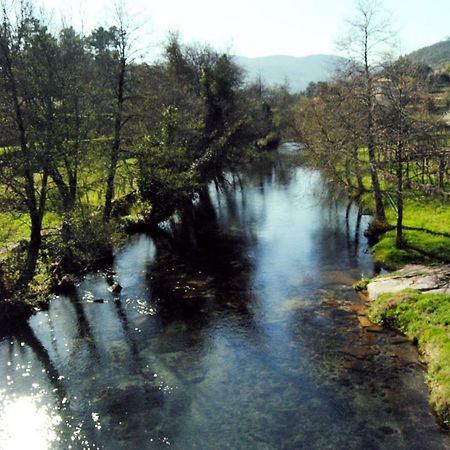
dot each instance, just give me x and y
(237, 328)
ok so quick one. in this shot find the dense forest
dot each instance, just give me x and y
(93, 138)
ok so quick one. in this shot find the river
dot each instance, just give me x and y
(237, 328)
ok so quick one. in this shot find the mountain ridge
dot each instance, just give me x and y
(437, 54)
(297, 71)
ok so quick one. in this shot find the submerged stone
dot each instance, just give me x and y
(115, 288)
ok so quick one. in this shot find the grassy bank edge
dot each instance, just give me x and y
(425, 320)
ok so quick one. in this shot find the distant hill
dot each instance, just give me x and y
(434, 55)
(297, 71)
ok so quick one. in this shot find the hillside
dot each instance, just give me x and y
(434, 55)
(296, 71)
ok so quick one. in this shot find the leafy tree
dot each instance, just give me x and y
(25, 167)
(112, 51)
(75, 113)
(329, 126)
(166, 179)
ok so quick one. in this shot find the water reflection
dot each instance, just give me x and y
(237, 327)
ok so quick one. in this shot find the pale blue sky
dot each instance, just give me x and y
(264, 27)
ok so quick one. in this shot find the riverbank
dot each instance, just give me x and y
(426, 232)
(415, 302)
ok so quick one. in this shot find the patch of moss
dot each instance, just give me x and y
(361, 285)
(425, 319)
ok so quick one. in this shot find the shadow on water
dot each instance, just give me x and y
(237, 327)
(201, 268)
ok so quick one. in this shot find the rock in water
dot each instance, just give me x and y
(115, 287)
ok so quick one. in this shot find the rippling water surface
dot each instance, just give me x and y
(236, 328)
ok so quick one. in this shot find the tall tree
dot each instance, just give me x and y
(365, 45)
(112, 49)
(25, 165)
(74, 113)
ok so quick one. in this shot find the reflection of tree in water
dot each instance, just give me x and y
(273, 170)
(338, 230)
(203, 260)
(26, 336)
(201, 263)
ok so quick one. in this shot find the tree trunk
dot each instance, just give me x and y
(441, 173)
(399, 240)
(348, 178)
(3, 290)
(115, 148)
(379, 207)
(35, 201)
(358, 171)
(407, 181)
(34, 247)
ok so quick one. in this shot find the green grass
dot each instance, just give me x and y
(422, 247)
(421, 213)
(13, 228)
(424, 318)
(424, 212)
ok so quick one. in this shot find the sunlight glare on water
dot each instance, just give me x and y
(26, 424)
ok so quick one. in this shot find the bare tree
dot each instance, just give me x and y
(406, 128)
(366, 44)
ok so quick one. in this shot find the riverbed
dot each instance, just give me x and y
(237, 328)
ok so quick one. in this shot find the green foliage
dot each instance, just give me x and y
(83, 243)
(84, 128)
(166, 179)
(424, 318)
(11, 265)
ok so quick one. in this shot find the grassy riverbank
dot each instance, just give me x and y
(425, 319)
(426, 230)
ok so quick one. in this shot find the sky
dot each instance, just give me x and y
(258, 28)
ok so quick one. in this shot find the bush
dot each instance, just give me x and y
(83, 243)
